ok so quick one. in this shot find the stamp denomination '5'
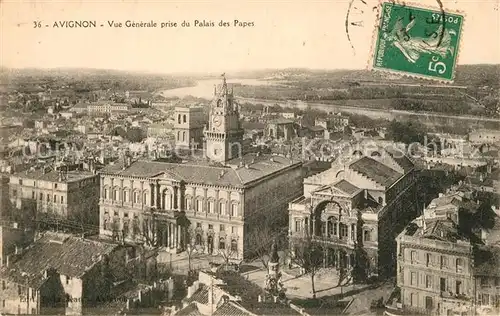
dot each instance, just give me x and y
(417, 41)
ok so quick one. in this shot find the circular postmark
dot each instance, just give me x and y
(363, 14)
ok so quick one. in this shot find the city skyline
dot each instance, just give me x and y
(295, 34)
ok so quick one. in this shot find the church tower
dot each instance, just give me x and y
(224, 135)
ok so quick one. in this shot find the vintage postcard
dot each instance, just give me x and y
(333, 157)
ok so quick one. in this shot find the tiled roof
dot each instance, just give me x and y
(200, 296)
(401, 159)
(269, 308)
(280, 121)
(346, 186)
(376, 171)
(53, 175)
(230, 308)
(70, 256)
(190, 310)
(198, 172)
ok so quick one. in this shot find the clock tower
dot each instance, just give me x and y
(224, 135)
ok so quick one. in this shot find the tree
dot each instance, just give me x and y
(309, 256)
(149, 227)
(360, 273)
(190, 245)
(259, 241)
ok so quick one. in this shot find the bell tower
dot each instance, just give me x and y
(224, 135)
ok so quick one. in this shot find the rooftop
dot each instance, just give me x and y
(68, 255)
(237, 172)
(376, 171)
(53, 175)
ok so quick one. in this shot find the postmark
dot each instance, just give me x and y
(417, 41)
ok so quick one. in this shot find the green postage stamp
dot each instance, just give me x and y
(417, 41)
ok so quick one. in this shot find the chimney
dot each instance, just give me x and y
(366, 194)
(128, 161)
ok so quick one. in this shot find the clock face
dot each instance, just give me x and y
(216, 121)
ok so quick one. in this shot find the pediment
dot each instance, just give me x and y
(330, 191)
(168, 175)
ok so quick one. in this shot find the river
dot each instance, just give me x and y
(205, 89)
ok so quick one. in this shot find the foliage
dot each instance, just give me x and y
(407, 132)
(259, 242)
(135, 134)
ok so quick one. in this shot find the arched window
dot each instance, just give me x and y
(198, 240)
(222, 207)
(136, 197)
(367, 235)
(375, 154)
(106, 194)
(116, 194)
(460, 264)
(234, 245)
(183, 136)
(219, 103)
(199, 205)
(187, 203)
(184, 118)
(234, 209)
(178, 135)
(222, 243)
(179, 119)
(210, 206)
(357, 153)
(145, 198)
(125, 195)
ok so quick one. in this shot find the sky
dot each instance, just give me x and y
(287, 33)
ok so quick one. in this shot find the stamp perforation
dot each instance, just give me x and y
(375, 34)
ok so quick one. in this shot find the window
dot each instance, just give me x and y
(222, 243)
(233, 230)
(115, 194)
(55, 185)
(428, 259)
(48, 197)
(484, 282)
(125, 196)
(222, 228)
(62, 199)
(497, 281)
(442, 284)
(428, 281)
(234, 245)
(413, 278)
(297, 225)
(210, 207)
(33, 195)
(187, 203)
(353, 231)
(184, 118)
(19, 290)
(485, 299)
(444, 262)
(106, 194)
(234, 210)
(135, 197)
(198, 240)
(413, 299)
(3, 303)
(366, 235)
(125, 215)
(458, 287)
(4, 286)
(55, 198)
(21, 181)
(210, 226)
(68, 279)
(198, 225)
(413, 256)
(115, 213)
(222, 208)
(199, 205)
(459, 264)
(343, 230)
(145, 198)
(41, 196)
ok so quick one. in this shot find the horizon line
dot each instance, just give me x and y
(207, 73)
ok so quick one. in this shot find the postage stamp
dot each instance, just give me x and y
(417, 41)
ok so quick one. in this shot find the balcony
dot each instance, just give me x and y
(454, 297)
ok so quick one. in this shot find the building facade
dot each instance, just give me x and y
(188, 126)
(69, 195)
(210, 203)
(365, 199)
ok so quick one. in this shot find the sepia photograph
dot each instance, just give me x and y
(220, 158)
